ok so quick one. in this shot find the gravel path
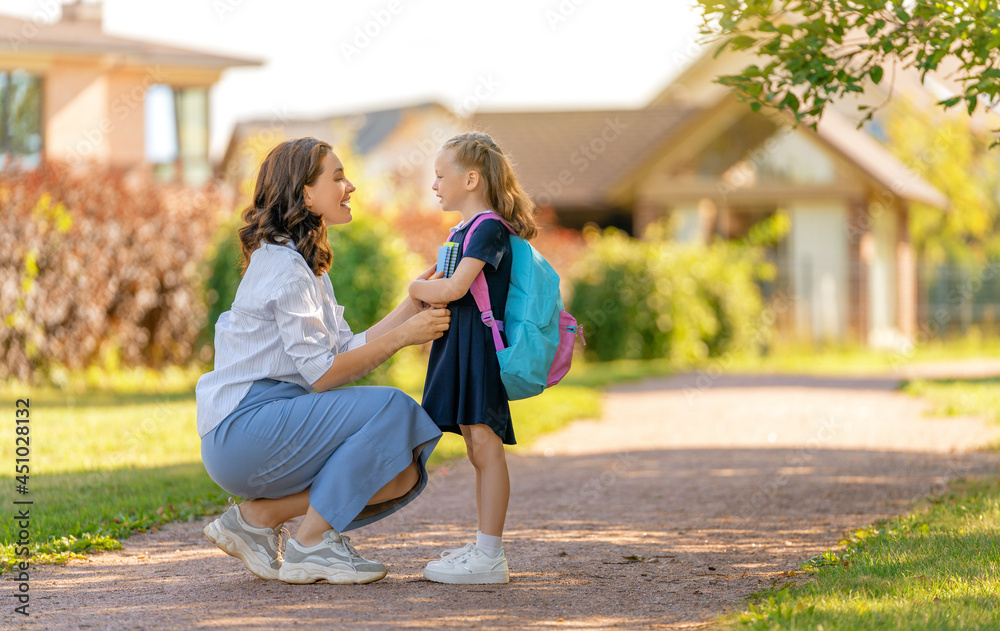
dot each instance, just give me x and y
(690, 494)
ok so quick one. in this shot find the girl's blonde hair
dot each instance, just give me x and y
(505, 196)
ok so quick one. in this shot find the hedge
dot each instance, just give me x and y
(652, 299)
(97, 267)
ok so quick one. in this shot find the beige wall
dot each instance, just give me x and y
(75, 112)
(819, 257)
(92, 106)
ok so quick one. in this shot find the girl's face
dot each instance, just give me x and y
(330, 194)
(451, 183)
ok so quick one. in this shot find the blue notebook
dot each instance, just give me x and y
(447, 258)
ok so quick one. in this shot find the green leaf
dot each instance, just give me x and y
(791, 102)
(755, 106)
(875, 73)
(742, 42)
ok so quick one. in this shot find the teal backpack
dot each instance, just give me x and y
(540, 332)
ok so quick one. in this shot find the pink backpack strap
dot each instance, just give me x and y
(480, 290)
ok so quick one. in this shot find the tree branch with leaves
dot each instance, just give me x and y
(813, 52)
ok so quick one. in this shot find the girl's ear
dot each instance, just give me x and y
(471, 180)
(307, 197)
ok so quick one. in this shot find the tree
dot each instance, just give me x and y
(815, 51)
(944, 151)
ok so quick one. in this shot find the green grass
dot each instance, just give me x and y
(105, 465)
(853, 359)
(957, 397)
(937, 568)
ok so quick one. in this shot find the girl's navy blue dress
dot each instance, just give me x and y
(463, 384)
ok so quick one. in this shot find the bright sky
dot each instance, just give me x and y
(331, 57)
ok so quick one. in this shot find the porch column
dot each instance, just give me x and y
(906, 265)
(860, 254)
(646, 213)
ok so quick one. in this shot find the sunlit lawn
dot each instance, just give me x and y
(936, 569)
(848, 359)
(956, 397)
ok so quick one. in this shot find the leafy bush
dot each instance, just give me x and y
(654, 299)
(371, 269)
(99, 267)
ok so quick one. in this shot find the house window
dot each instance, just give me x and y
(177, 133)
(20, 119)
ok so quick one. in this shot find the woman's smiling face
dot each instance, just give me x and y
(330, 194)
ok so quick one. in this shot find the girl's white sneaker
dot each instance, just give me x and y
(471, 567)
(447, 554)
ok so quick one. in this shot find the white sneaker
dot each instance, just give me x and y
(447, 554)
(471, 567)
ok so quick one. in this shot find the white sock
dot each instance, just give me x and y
(489, 544)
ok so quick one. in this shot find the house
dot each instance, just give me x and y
(703, 160)
(398, 144)
(69, 92)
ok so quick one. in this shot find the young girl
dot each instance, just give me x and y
(463, 392)
(275, 426)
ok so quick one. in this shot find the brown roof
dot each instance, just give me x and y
(574, 158)
(876, 161)
(85, 37)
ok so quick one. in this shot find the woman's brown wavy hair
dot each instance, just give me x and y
(479, 152)
(279, 210)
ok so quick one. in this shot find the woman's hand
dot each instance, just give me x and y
(426, 326)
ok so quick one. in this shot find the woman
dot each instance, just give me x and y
(273, 427)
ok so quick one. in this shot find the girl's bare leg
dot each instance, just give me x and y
(471, 452)
(491, 467)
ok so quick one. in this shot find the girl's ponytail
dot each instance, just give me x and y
(505, 196)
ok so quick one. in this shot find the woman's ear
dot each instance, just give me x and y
(307, 197)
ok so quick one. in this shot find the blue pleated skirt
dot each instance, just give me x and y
(344, 445)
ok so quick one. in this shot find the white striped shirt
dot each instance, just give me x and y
(285, 324)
